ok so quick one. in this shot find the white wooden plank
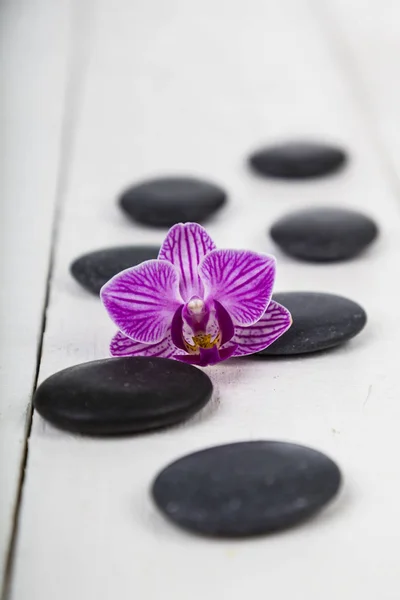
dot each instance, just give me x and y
(369, 41)
(33, 55)
(190, 87)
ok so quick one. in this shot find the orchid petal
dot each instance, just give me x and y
(121, 345)
(185, 247)
(276, 320)
(227, 352)
(241, 281)
(225, 324)
(142, 301)
(209, 356)
(177, 328)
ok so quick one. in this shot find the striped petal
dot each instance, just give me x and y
(276, 320)
(241, 281)
(185, 247)
(142, 301)
(121, 345)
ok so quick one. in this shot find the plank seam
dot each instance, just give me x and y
(76, 67)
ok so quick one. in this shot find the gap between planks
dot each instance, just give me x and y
(76, 67)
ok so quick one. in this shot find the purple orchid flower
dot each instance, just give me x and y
(195, 303)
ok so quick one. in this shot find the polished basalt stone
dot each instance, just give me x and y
(324, 234)
(166, 201)
(320, 321)
(246, 489)
(122, 395)
(297, 160)
(93, 270)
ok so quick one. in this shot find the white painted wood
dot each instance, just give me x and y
(191, 87)
(33, 56)
(368, 39)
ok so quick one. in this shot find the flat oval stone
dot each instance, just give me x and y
(324, 234)
(93, 270)
(245, 489)
(320, 321)
(297, 160)
(170, 200)
(122, 395)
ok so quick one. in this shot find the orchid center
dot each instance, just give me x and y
(205, 341)
(202, 336)
(196, 308)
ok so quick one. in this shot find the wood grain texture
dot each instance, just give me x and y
(33, 68)
(189, 88)
(369, 44)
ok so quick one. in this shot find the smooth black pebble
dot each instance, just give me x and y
(245, 489)
(320, 321)
(324, 234)
(297, 160)
(167, 201)
(122, 395)
(93, 270)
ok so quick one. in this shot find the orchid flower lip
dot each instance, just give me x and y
(195, 303)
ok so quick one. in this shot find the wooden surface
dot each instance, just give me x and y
(33, 81)
(100, 94)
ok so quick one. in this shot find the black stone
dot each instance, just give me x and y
(320, 321)
(246, 489)
(297, 160)
(93, 270)
(324, 234)
(165, 202)
(122, 395)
